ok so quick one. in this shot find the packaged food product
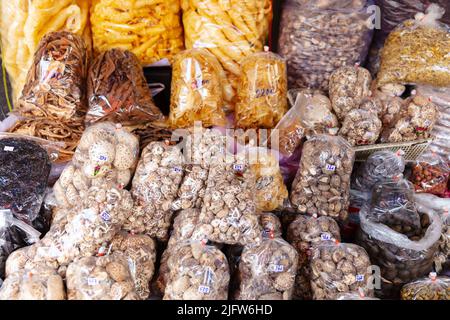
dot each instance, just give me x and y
(430, 288)
(270, 224)
(118, 90)
(40, 283)
(155, 186)
(348, 88)
(262, 89)
(401, 259)
(150, 29)
(416, 52)
(228, 214)
(430, 174)
(230, 30)
(322, 184)
(361, 127)
(338, 268)
(100, 278)
(354, 296)
(106, 156)
(340, 32)
(267, 270)
(140, 252)
(197, 272)
(392, 106)
(25, 23)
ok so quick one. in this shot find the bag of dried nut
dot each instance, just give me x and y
(348, 88)
(430, 174)
(361, 127)
(140, 252)
(154, 189)
(430, 288)
(340, 31)
(197, 271)
(105, 157)
(100, 278)
(302, 234)
(322, 184)
(401, 259)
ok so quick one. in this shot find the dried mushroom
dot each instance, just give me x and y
(430, 288)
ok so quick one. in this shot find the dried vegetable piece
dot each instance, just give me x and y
(361, 127)
(430, 288)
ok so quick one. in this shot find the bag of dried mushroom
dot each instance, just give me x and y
(262, 89)
(317, 37)
(197, 271)
(361, 127)
(430, 174)
(429, 288)
(106, 156)
(337, 268)
(302, 234)
(100, 278)
(416, 52)
(154, 189)
(118, 90)
(322, 184)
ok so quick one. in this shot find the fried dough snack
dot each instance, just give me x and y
(150, 29)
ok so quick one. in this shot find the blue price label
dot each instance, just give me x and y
(105, 216)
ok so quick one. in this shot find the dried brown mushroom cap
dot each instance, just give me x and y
(361, 127)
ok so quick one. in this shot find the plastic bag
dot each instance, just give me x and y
(106, 156)
(416, 52)
(261, 94)
(118, 90)
(270, 224)
(140, 252)
(155, 187)
(230, 30)
(338, 268)
(316, 38)
(392, 104)
(348, 88)
(354, 296)
(322, 184)
(361, 127)
(380, 166)
(24, 23)
(40, 283)
(401, 259)
(100, 278)
(430, 174)
(430, 288)
(197, 77)
(150, 29)
(197, 272)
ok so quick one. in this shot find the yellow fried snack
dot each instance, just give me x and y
(151, 29)
(262, 91)
(231, 30)
(24, 23)
(196, 90)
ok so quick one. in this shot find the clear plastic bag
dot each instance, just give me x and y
(100, 278)
(361, 127)
(348, 88)
(354, 296)
(55, 82)
(230, 30)
(430, 174)
(262, 90)
(316, 38)
(150, 29)
(118, 90)
(270, 224)
(155, 187)
(338, 268)
(140, 252)
(322, 184)
(430, 288)
(416, 52)
(392, 105)
(197, 272)
(24, 23)
(105, 157)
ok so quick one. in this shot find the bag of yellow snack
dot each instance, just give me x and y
(23, 23)
(262, 90)
(417, 52)
(196, 93)
(150, 29)
(229, 29)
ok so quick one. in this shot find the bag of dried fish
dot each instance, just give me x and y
(196, 95)
(416, 52)
(361, 127)
(55, 86)
(430, 288)
(261, 94)
(118, 90)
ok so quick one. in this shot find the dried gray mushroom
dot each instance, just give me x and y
(361, 127)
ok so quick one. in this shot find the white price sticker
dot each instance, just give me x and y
(238, 167)
(359, 278)
(325, 236)
(177, 169)
(276, 268)
(331, 167)
(8, 148)
(204, 289)
(105, 216)
(92, 281)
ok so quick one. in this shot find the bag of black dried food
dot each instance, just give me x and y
(24, 170)
(118, 91)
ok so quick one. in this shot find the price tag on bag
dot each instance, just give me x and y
(8, 148)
